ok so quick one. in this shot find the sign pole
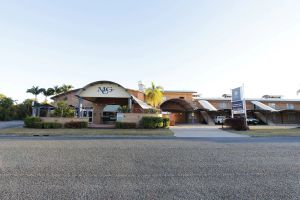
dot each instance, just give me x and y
(245, 105)
(231, 105)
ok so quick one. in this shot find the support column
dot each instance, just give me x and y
(80, 107)
(130, 104)
(98, 113)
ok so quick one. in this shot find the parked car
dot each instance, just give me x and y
(219, 119)
(252, 121)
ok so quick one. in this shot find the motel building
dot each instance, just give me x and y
(99, 102)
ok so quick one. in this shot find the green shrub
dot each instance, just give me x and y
(125, 125)
(50, 125)
(36, 122)
(166, 122)
(32, 122)
(152, 122)
(63, 110)
(76, 124)
(38, 125)
(124, 109)
(237, 124)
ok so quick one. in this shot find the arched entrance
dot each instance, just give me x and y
(103, 93)
(182, 111)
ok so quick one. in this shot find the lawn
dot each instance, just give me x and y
(269, 131)
(83, 132)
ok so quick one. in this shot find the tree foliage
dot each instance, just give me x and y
(47, 92)
(10, 111)
(65, 88)
(35, 90)
(7, 109)
(64, 110)
(154, 95)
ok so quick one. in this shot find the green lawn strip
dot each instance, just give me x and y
(269, 132)
(57, 132)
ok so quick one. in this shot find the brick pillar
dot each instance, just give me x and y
(98, 113)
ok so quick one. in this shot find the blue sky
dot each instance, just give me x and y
(207, 46)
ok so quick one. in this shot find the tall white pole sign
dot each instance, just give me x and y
(238, 102)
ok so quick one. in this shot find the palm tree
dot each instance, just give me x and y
(47, 92)
(154, 95)
(66, 88)
(57, 90)
(35, 90)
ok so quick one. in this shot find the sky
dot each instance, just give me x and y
(208, 46)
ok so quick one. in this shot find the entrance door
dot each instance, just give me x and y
(88, 113)
(90, 116)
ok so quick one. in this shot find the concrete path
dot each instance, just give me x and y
(202, 131)
(11, 124)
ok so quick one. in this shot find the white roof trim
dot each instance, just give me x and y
(263, 106)
(142, 103)
(207, 105)
(250, 99)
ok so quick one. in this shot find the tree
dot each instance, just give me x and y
(7, 108)
(57, 90)
(154, 95)
(63, 110)
(65, 88)
(24, 109)
(35, 90)
(47, 92)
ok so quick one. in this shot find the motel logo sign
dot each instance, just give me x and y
(105, 90)
(238, 101)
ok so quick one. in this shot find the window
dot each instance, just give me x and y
(290, 106)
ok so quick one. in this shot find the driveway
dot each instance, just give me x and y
(11, 124)
(202, 131)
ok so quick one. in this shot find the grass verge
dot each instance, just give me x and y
(282, 132)
(74, 132)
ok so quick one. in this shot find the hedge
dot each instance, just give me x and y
(48, 125)
(77, 124)
(152, 122)
(125, 125)
(32, 122)
(237, 124)
(166, 122)
(36, 122)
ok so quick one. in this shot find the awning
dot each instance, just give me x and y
(143, 105)
(208, 106)
(111, 108)
(263, 106)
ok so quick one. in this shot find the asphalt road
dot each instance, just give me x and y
(10, 124)
(83, 168)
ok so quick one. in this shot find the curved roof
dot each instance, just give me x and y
(187, 106)
(99, 82)
(118, 91)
